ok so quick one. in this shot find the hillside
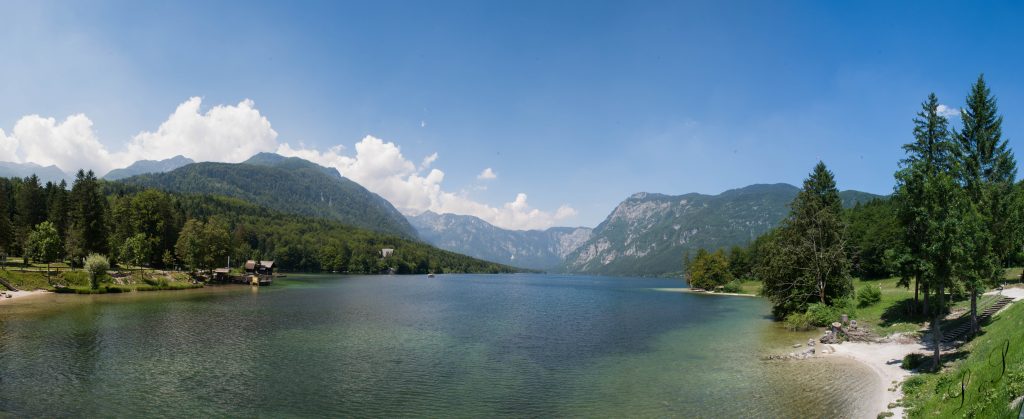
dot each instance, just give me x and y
(532, 249)
(21, 170)
(148, 166)
(648, 234)
(289, 185)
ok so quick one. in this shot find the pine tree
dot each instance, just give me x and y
(87, 218)
(987, 170)
(6, 227)
(929, 155)
(30, 209)
(806, 261)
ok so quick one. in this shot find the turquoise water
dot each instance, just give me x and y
(373, 346)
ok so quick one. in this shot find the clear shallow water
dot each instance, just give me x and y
(468, 346)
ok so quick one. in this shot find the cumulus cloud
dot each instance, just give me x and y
(226, 133)
(69, 144)
(948, 112)
(8, 148)
(381, 168)
(487, 174)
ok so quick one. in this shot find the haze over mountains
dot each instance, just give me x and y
(471, 236)
(647, 234)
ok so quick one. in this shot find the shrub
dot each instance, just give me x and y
(912, 361)
(798, 322)
(96, 265)
(822, 315)
(734, 286)
(868, 295)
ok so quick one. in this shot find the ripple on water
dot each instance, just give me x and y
(469, 346)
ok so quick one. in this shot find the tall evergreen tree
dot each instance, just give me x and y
(31, 208)
(808, 263)
(929, 155)
(6, 227)
(987, 170)
(87, 218)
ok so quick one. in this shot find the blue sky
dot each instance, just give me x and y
(575, 104)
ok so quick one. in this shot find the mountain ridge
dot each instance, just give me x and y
(290, 185)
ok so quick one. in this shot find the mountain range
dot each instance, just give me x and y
(286, 184)
(471, 236)
(645, 235)
(49, 173)
(148, 166)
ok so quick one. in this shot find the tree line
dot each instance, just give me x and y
(143, 227)
(952, 224)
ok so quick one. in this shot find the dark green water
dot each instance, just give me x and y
(386, 346)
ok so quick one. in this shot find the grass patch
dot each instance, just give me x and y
(894, 312)
(27, 280)
(991, 367)
(750, 287)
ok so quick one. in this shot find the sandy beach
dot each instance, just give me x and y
(691, 291)
(19, 294)
(884, 359)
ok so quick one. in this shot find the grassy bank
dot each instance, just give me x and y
(77, 281)
(990, 368)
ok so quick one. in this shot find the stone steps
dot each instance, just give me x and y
(964, 326)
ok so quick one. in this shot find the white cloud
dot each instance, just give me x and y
(948, 112)
(224, 133)
(70, 144)
(8, 148)
(487, 174)
(227, 133)
(381, 168)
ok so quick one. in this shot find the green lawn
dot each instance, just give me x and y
(991, 384)
(894, 313)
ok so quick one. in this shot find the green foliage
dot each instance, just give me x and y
(872, 230)
(734, 286)
(87, 218)
(288, 185)
(43, 243)
(97, 266)
(709, 270)
(799, 322)
(912, 362)
(991, 386)
(868, 295)
(136, 250)
(806, 260)
(820, 315)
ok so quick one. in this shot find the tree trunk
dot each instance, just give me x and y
(925, 308)
(974, 311)
(937, 332)
(917, 286)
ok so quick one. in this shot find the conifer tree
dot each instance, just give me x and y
(808, 262)
(987, 170)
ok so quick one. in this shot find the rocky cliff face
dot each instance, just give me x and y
(648, 234)
(533, 249)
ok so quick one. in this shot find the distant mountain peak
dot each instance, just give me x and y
(277, 160)
(149, 166)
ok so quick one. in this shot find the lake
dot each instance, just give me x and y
(452, 346)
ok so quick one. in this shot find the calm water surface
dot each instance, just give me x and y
(467, 346)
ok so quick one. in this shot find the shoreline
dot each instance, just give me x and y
(21, 294)
(691, 291)
(885, 360)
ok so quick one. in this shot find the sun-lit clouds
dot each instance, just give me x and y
(70, 144)
(487, 174)
(233, 133)
(381, 168)
(948, 112)
(224, 133)
(8, 148)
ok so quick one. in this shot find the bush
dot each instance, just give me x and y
(798, 322)
(822, 315)
(868, 295)
(734, 286)
(912, 361)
